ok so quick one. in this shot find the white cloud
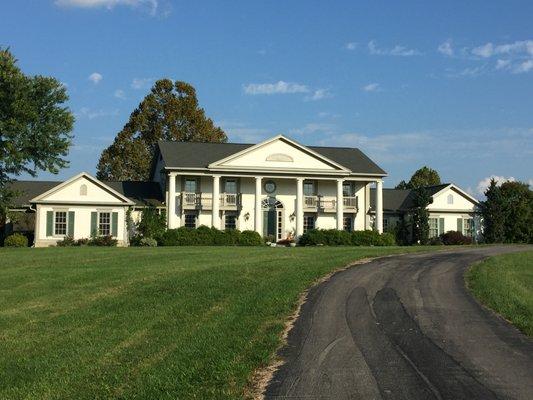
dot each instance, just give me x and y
(485, 182)
(119, 94)
(240, 132)
(524, 66)
(372, 87)
(151, 5)
(86, 112)
(516, 57)
(446, 48)
(141, 83)
(95, 77)
(502, 64)
(395, 51)
(350, 46)
(279, 87)
(484, 51)
(319, 94)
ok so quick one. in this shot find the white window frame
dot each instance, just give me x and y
(55, 234)
(226, 215)
(349, 218)
(197, 185)
(195, 215)
(234, 180)
(98, 222)
(313, 185)
(434, 229)
(306, 223)
(449, 199)
(468, 231)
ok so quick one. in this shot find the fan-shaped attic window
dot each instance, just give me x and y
(83, 190)
(279, 157)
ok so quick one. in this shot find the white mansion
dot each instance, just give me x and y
(278, 188)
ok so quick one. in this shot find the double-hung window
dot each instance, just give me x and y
(191, 185)
(347, 224)
(190, 220)
(309, 188)
(104, 223)
(433, 227)
(468, 227)
(230, 186)
(348, 189)
(230, 221)
(60, 223)
(309, 222)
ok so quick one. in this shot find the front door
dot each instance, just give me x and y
(269, 223)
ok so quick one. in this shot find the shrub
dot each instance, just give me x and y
(82, 242)
(152, 223)
(250, 238)
(334, 237)
(16, 240)
(148, 242)
(455, 238)
(179, 237)
(67, 241)
(231, 237)
(205, 236)
(105, 241)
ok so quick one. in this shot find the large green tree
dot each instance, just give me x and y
(169, 112)
(35, 125)
(493, 213)
(420, 215)
(424, 176)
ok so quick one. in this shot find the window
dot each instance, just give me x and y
(230, 221)
(433, 227)
(468, 227)
(348, 189)
(309, 222)
(230, 186)
(347, 224)
(83, 190)
(450, 199)
(60, 223)
(104, 223)
(190, 220)
(385, 224)
(309, 188)
(191, 185)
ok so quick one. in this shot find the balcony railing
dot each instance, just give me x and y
(329, 203)
(204, 201)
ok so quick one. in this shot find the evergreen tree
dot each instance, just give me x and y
(424, 176)
(35, 125)
(420, 215)
(492, 211)
(518, 212)
(169, 112)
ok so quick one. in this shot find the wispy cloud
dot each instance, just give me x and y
(141, 83)
(446, 48)
(516, 57)
(372, 87)
(485, 182)
(313, 127)
(119, 94)
(241, 132)
(397, 50)
(150, 5)
(86, 112)
(351, 46)
(319, 94)
(95, 77)
(280, 87)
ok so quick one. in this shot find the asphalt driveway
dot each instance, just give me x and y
(404, 327)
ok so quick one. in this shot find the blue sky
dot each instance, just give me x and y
(411, 83)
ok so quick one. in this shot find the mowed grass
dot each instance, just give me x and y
(505, 284)
(145, 323)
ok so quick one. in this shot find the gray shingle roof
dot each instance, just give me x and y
(401, 199)
(200, 155)
(141, 193)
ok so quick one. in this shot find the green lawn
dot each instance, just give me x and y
(505, 284)
(164, 323)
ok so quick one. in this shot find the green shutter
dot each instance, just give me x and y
(94, 227)
(70, 229)
(49, 223)
(460, 225)
(441, 226)
(114, 224)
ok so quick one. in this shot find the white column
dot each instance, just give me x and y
(258, 211)
(379, 206)
(215, 221)
(299, 207)
(171, 206)
(340, 205)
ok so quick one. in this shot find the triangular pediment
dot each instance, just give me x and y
(279, 153)
(83, 189)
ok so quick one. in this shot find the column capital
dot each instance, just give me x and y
(258, 178)
(341, 180)
(172, 173)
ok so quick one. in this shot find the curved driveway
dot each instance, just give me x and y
(404, 327)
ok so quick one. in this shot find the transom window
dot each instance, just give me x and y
(309, 222)
(104, 223)
(230, 221)
(347, 224)
(433, 227)
(230, 186)
(309, 188)
(191, 185)
(60, 223)
(190, 220)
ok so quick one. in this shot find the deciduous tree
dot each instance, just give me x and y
(424, 176)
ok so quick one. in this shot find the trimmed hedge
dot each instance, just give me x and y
(106, 241)
(454, 238)
(205, 236)
(16, 240)
(334, 237)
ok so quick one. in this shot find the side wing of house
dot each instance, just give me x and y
(80, 207)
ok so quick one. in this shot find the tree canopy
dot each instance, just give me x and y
(424, 176)
(422, 199)
(169, 112)
(35, 124)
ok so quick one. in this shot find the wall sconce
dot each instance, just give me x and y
(292, 217)
(247, 216)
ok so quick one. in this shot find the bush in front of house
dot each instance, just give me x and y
(16, 240)
(454, 238)
(104, 241)
(205, 236)
(67, 241)
(334, 237)
(147, 242)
